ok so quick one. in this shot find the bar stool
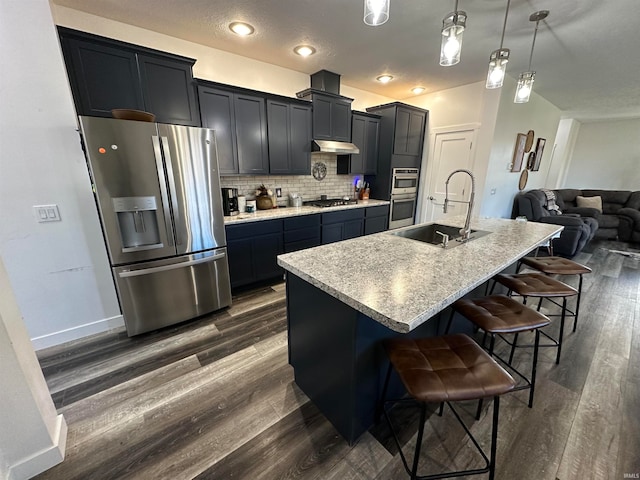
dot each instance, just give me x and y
(498, 315)
(442, 370)
(540, 286)
(559, 266)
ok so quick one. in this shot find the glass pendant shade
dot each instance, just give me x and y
(453, 27)
(376, 12)
(525, 85)
(497, 66)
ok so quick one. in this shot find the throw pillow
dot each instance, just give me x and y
(590, 202)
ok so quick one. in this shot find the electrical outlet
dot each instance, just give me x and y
(278, 192)
(493, 191)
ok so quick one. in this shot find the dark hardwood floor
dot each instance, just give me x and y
(215, 399)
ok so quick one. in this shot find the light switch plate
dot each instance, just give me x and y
(47, 213)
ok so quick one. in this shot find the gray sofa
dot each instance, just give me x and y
(578, 230)
(619, 219)
(620, 216)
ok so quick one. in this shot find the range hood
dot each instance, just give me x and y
(331, 146)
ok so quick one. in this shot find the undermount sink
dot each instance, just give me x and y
(427, 234)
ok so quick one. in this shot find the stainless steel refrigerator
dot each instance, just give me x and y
(157, 188)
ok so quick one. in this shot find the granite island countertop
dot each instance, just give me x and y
(401, 283)
(296, 211)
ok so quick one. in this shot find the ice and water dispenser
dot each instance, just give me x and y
(137, 222)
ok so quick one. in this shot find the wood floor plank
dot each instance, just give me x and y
(302, 445)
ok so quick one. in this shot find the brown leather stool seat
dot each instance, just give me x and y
(559, 266)
(499, 315)
(446, 369)
(539, 286)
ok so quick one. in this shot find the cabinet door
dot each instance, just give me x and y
(278, 127)
(251, 134)
(240, 256)
(341, 120)
(322, 106)
(415, 136)
(353, 229)
(300, 140)
(358, 133)
(265, 250)
(409, 132)
(167, 89)
(217, 113)
(102, 78)
(372, 140)
(332, 233)
(375, 225)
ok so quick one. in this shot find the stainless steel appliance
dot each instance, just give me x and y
(331, 202)
(402, 210)
(404, 180)
(230, 205)
(157, 188)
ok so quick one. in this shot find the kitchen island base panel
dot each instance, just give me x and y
(337, 356)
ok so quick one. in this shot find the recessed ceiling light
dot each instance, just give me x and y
(417, 90)
(304, 50)
(241, 28)
(384, 78)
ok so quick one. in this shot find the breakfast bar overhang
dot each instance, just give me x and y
(344, 298)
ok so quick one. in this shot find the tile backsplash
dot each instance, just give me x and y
(333, 185)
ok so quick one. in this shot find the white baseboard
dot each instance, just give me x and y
(44, 459)
(64, 336)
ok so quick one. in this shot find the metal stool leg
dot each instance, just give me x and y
(533, 368)
(562, 318)
(494, 438)
(575, 317)
(513, 348)
(380, 409)
(416, 458)
(491, 345)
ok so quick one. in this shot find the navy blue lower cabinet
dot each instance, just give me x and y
(342, 225)
(252, 250)
(376, 219)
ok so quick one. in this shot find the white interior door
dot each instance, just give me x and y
(451, 151)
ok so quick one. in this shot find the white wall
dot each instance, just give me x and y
(59, 271)
(606, 155)
(538, 115)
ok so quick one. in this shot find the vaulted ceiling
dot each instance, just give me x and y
(586, 54)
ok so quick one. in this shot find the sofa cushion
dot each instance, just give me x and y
(608, 221)
(591, 202)
(612, 200)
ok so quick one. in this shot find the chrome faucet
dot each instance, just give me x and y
(466, 230)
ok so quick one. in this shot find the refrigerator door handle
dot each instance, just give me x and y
(157, 153)
(172, 185)
(173, 266)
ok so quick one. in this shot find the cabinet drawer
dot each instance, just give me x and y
(253, 229)
(302, 234)
(343, 216)
(380, 211)
(301, 245)
(304, 221)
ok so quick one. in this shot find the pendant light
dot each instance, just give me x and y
(376, 12)
(525, 80)
(452, 29)
(498, 59)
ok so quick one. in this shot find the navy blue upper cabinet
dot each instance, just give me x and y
(240, 122)
(107, 74)
(409, 133)
(365, 134)
(289, 133)
(331, 115)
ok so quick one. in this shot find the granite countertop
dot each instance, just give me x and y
(400, 282)
(296, 211)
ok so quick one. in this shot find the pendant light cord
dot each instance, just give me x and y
(504, 26)
(533, 44)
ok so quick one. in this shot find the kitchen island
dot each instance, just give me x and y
(344, 298)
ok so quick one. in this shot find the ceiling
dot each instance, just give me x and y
(586, 54)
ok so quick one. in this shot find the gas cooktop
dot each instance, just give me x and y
(331, 202)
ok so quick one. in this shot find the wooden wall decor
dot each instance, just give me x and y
(518, 152)
(539, 150)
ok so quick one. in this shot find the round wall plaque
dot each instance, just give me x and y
(524, 176)
(529, 142)
(319, 171)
